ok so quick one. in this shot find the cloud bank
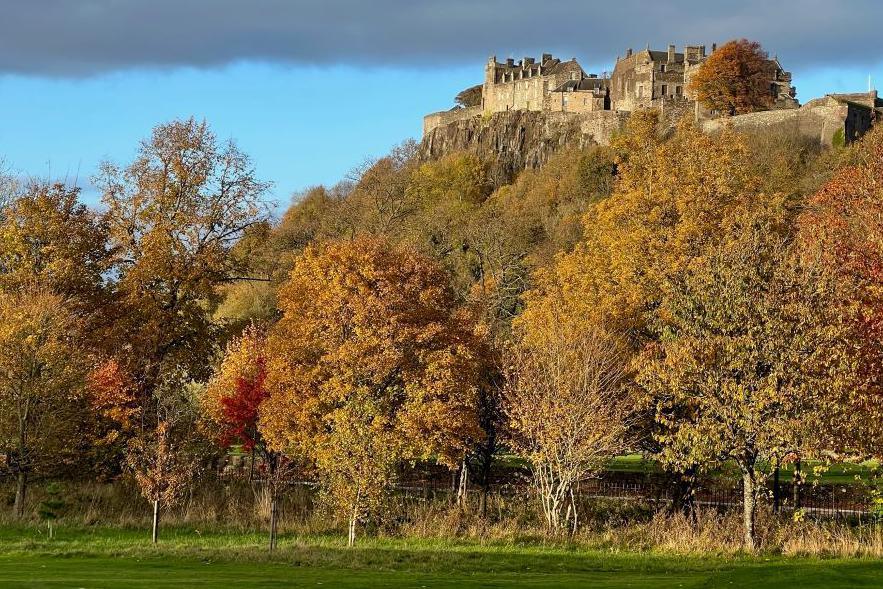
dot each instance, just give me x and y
(73, 38)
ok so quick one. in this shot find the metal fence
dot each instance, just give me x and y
(655, 489)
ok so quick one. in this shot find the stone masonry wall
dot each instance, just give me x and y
(446, 117)
(820, 119)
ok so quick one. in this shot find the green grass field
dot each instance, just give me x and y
(186, 558)
(841, 473)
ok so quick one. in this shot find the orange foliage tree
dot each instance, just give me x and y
(370, 364)
(734, 79)
(173, 216)
(842, 230)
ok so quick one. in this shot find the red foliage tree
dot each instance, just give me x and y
(842, 231)
(240, 410)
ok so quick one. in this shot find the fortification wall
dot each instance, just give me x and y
(822, 119)
(602, 125)
(446, 117)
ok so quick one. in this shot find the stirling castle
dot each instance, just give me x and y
(561, 91)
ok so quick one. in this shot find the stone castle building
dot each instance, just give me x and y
(642, 79)
(545, 85)
(651, 78)
(563, 93)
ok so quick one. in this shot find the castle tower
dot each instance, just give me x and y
(490, 78)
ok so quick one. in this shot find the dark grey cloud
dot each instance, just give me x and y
(85, 37)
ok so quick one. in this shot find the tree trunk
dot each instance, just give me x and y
(555, 495)
(155, 529)
(776, 490)
(274, 512)
(683, 497)
(21, 489)
(575, 523)
(749, 506)
(795, 485)
(482, 500)
(351, 540)
(462, 488)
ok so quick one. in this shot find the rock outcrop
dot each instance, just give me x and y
(519, 139)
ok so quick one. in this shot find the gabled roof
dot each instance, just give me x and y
(584, 85)
(663, 56)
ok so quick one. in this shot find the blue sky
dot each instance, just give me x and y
(310, 89)
(301, 125)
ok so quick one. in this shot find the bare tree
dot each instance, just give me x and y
(568, 412)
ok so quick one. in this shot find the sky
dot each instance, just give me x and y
(310, 89)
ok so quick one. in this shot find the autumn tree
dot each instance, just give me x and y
(173, 216)
(841, 228)
(755, 360)
(668, 201)
(734, 79)
(380, 202)
(112, 398)
(370, 364)
(233, 401)
(48, 236)
(569, 412)
(42, 372)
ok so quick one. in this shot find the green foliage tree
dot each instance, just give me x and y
(754, 359)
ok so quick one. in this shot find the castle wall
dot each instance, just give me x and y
(575, 102)
(445, 117)
(823, 119)
(639, 79)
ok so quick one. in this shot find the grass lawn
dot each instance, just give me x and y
(841, 473)
(186, 558)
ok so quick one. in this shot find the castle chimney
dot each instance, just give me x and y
(510, 62)
(702, 51)
(713, 47)
(528, 61)
(628, 52)
(547, 57)
(671, 54)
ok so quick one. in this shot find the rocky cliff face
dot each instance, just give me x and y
(518, 139)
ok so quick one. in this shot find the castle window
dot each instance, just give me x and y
(678, 90)
(662, 67)
(664, 89)
(641, 91)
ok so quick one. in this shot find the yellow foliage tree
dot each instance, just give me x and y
(666, 209)
(42, 373)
